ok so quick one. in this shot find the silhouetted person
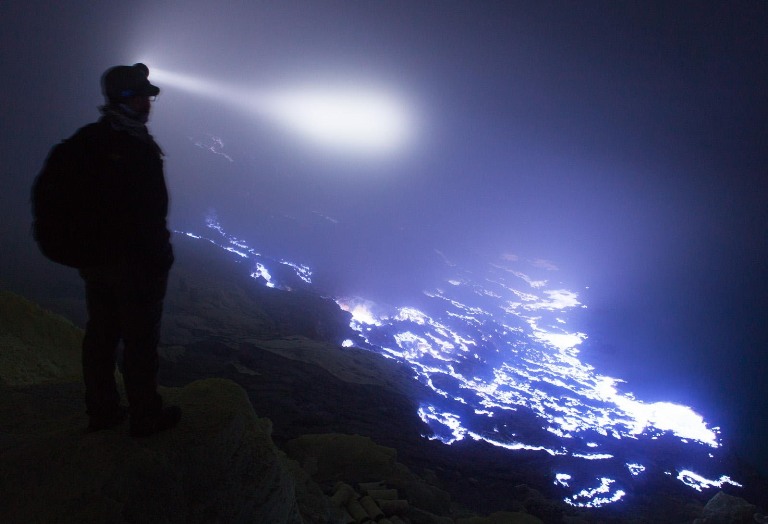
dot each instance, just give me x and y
(125, 244)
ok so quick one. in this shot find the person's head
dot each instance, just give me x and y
(127, 89)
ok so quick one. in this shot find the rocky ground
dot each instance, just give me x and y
(333, 410)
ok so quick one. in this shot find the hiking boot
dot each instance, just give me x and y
(108, 420)
(145, 426)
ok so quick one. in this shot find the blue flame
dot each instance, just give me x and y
(497, 351)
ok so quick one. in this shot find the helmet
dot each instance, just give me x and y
(120, 82)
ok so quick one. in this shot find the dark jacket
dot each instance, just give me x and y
(119, 195)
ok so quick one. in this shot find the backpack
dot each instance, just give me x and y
(65, 225)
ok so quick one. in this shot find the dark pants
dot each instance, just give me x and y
(124, 302)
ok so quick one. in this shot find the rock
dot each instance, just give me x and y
(502, 517)
(37, 346)
(534, 502)
(355, 459)
(727, 509)
(424, 496)
(218, 465)
(350, 458)
(210, 294)
(419, 516)
(569, 519)
(314, 506)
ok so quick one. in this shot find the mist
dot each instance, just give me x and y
(625, 144)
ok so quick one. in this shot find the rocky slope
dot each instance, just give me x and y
(219, 464)
(37, 346)
(282, 350)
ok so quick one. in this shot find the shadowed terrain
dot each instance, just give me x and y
(283, 349)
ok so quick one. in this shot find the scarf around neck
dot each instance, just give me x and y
(122, 122)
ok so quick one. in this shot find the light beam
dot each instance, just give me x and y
(353, 119)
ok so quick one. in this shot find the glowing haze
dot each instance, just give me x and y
(496, 351)
(343, 118)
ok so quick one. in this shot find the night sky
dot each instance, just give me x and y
(625, 142)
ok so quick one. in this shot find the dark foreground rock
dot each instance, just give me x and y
(37, 346)
(218, 465)
(727, 509)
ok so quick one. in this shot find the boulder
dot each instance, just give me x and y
(502, 517)
(37, 346)
(420, 516)
(333, 457)
(314, 506)
(218, 465)
(727, 509)
(424, 495)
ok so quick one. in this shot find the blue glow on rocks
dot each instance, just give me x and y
(240, 248)
(699, 483)
(497, 351)
(514, 446)
(596, 497)
(561, 479)
(592, 456)
(302, 271)
(450, 423)
(263, 272)
(212, 144)
(361, 315)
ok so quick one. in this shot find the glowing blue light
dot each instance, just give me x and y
(302, 271)
(451, 421)
(700, 483)
(236, 252)
(514, 446)
(561, 341)
(561, 479)
(361, 312)
(491, 351)
(262, 272)
(212, 144)
(590, 498)
(411, 314)
(587, 401)
(681, 420)
(240, 248)
(592, 456)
